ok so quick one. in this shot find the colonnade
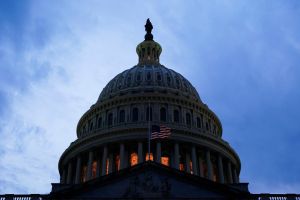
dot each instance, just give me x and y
(108, 158)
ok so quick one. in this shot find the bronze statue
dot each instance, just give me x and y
(148, 29)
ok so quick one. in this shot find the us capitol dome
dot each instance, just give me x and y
(114, 133)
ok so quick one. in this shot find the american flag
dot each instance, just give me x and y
(160, 132)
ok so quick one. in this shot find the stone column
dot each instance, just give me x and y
(90, 166)
(235, 176)
(140, 152)
(176, 156)
(110, 166)
(229, 172)
(158, 152)
(98, 171)
(122, 157)
(63, 177)
(126, 161)
(200, 166)
(104, 157)
(78, 170)
(194, 161)
(69, 176)
(209, 165)
(220, 168)
(187, 162)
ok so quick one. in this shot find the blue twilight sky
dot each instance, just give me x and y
(243, 57)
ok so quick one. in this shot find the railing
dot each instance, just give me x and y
(248, 197)
(275, 196)
(24, 197)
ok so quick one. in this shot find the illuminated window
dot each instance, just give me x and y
(107, 165)
(94, 169)
(133, 159)
(181, 166)
(147, 157)
(117, 162)
(83, 174)
(191, 167)
(165, 160)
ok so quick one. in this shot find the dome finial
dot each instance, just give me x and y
(148, 29)
(148, 50)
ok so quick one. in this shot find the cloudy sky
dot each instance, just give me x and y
(243, 57)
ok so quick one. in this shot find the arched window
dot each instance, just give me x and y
(133, 159)
(165, 160)
(122, 116)
(149, 109)
(99, 122)
(149, 156)
(83, 173)
(94, 169)
(214, 129)
(163, 115)
(135, 114)
(176, 116)
(110, 119)
(117, 163)
(198, 122)
(188, 119)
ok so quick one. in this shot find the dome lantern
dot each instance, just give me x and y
(149, 50)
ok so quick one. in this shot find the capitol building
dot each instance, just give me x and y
(116, 157)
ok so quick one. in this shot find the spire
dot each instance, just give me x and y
(149, 50)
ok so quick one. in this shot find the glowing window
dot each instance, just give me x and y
(191, 167)
(117, 162)
(165, 160)
(181, 166)
(94, 169)
(133, 159)
(147, 156)
(83, 174)
(107, 165)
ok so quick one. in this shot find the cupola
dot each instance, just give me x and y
(149, 50)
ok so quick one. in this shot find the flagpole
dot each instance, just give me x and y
(149, 132)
